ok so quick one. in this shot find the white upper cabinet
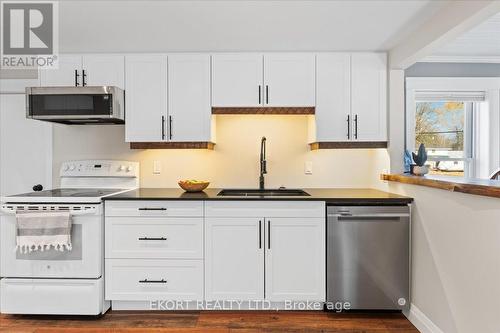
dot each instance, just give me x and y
(67, 74)
(369, 96)
(104, 70)
(295, 259)
(351, 97)
(146, 98)
(87, 70)
(237, 80)
(256, 80)
(189, 111)
(289, 79)
(333, 97)
(168, 98)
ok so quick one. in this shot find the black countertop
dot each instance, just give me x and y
(352, 196)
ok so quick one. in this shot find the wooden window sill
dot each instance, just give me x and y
(484, 187)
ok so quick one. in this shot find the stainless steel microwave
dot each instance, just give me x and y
(76, 105)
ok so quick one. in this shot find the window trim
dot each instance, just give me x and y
(491, 87)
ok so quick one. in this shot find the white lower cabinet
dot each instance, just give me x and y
(154, 279)
(234, 265)
(147, 237)
(275, 256)
(231, 250)
(154, 251)
(295, 259)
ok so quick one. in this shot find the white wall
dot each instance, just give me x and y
(235, 160)
(455, 250)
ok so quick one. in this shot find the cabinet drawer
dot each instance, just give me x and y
(265, 209)
(154, 208)
(154, 237)
(154, 279)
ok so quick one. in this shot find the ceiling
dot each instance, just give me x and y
(481, 41)
(242, 25)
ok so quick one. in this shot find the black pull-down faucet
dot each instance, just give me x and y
(263, 169)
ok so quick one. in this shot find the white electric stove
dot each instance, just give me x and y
(68, 282)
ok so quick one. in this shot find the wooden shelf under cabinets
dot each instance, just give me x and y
(347, 145)
(264, 110)
(172, 145)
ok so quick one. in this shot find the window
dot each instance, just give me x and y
(444, 122)
(444, 127)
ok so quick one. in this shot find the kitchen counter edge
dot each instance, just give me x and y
(351, 196)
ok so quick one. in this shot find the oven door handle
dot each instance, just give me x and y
(12, 210)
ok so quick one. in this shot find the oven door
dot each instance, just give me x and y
(83, 261)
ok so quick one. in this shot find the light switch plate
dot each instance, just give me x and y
(156, 167)
(308, 168)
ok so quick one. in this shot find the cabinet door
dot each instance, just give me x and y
(189, 111)
(237, 80)
(64, 75)
(104, 70)
(369, 96)
(145, 98)
(333, 97)
(234, 258)
(295, 259)
(289, 79)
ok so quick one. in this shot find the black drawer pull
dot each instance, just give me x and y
(153, 281)
(146, 208)
(152, 238)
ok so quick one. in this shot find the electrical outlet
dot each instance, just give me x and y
(308, 168)
(156, 167)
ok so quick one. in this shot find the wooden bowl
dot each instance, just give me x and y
(193, 187)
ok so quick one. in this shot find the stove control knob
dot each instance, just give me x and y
(121, 168)
(129, 169)
(37, 187)
(71, 167)
(66, 167)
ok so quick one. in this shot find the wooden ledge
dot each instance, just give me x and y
(265, 110)
(348, 145)
(484, 187)
(172, 145)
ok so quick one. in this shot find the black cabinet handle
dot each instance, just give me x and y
(152, 238)
(152, 208)
(348, 126)
(267, 94)
(76, 78)
(260, 88)
(153, 281)
(356, 127)
(260, 234)
(170, 127)
(269, 234)
(83, 77)
(163, 127)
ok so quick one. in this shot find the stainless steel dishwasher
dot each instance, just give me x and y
(368, 257)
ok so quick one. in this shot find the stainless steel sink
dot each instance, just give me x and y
(263, 193)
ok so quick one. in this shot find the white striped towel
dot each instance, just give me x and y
(38, 231)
